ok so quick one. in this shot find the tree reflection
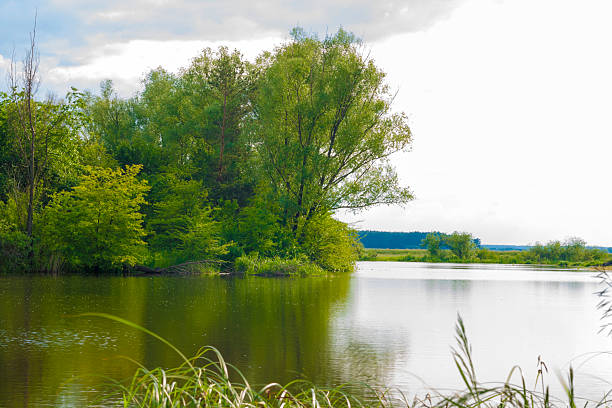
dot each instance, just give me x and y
(271, 329)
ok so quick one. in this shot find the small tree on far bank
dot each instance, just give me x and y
(433, 243)
(97, 225)
(461, 244)
(572, 250)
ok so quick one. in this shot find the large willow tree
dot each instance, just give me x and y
(324, 128)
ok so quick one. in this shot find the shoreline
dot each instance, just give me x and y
(490, 258)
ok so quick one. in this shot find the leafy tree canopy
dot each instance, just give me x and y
(97, 224)
(461, 244)
(324, 129)
(222, 159)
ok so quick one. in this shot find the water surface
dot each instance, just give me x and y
(388, 323)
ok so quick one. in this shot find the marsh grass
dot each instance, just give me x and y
(397, 255)
(255, 265)
(207, 380)
(483, 255)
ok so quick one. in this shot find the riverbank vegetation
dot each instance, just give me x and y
(462, 248)
(227, 159)
(254, 265)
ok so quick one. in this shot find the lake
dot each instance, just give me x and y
(389, 323)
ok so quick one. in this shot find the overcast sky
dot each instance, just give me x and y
(509, 101)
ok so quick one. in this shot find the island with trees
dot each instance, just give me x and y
(227, 162)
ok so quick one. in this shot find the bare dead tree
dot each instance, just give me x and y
(24, 87)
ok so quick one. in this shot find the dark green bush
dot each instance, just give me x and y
(14, 248)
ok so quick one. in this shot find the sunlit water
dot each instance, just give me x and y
(389, 324)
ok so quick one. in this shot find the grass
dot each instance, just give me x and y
(204, 381)
(394, 255)
(207, 380)
(255, 265)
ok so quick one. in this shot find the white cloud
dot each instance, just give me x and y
(508, 100)
(509, 104)
(127, 63)
(112, 15)
(4, 70)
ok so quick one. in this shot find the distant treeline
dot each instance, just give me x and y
(397, 240)
(462, 247)
(413, 240)
(496, 247)
(502, 247)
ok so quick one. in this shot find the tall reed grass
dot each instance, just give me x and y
(255, 265)
(207, 380)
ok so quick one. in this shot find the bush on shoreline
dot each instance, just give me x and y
(14, 247)
(209, 163)
(592, 257)
(254, 265)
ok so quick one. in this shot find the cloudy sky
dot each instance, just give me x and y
(509, 100)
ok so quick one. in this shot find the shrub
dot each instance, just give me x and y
(183, 227)
(461, 244)
(252, 264)
(97, 225)
(14, 248)
(331, 244)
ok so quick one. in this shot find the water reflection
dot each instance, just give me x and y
(383, 325)
(270, 328)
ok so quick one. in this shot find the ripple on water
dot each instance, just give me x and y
(46, 338)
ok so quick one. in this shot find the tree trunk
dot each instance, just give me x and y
(222, 143)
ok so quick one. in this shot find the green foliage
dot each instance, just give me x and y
(240, 158)
(13, 211)
(8, 149)
(331, 244)
(57, 125)
(484, 254)
(183, 228)
(259, 228)
(252, 264)
(433, 242)
(14, 247)
(97, 225)
(571, 251)
(323, 129)
(461, 244)
(40, 146)
(218, 86)
(328, 243)
(590, 257)
(122, 129)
